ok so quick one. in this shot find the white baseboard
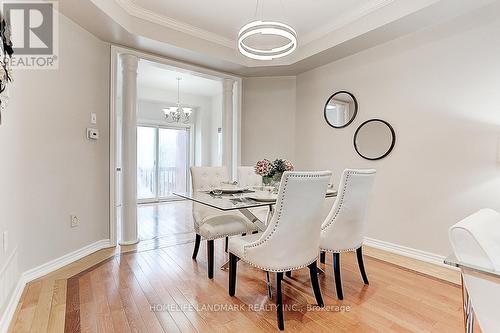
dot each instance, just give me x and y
(406, 251)
(42, 270)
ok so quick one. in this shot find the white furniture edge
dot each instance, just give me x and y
(409, 252)
(42, 270)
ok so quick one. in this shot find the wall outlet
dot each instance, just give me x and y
(5, 241)
(75, 221)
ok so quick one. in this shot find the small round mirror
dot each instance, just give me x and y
(374, 139)
(340, 109)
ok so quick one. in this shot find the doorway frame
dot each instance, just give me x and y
(115, 51)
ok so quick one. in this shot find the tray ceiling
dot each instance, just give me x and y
(204, 32)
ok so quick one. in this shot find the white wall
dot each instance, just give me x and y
(439, 88)
(268, 119)
(206, 116)
(48, 169)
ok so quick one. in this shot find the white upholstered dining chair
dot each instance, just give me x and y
(476, 242)
(248, 177)
(291, 241)
(344, 228)
(210, 223)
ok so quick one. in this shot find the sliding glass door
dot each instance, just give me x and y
(162, 162)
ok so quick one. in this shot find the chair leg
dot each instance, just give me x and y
(210, 255)
(233, 264)
(338, 279)
(322, 257)
(227, 242)
(313, 272)
(279, 301)
(359, 254)
(288, 274)
(197, 242)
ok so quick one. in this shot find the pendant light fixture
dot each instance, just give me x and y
(270, 28)
(178, 113)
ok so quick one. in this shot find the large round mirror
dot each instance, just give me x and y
(374, 139)
(340, 109)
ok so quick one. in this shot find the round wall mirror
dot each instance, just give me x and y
(340, 109)
(374, 139)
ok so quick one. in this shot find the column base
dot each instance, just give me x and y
(132, 242)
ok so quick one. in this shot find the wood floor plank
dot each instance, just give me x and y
(141, 271)
(58, 309)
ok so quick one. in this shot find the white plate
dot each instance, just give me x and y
(231, 189)
(263, 197)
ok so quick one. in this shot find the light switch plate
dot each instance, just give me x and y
(75, 221)
(93, 118)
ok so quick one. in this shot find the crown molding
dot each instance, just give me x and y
(134, 10)
(348, 18)
(142, 13)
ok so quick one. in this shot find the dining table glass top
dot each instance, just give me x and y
(235, 201)
(453, 261)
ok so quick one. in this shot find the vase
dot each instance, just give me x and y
(277, 176)
(266, 180)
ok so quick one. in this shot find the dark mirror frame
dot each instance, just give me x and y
(393, 143)
(355, 108)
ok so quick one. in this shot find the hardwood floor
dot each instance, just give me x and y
(164, 219)
(155, 286)
(164, 290)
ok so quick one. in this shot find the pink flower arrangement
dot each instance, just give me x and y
(263, 168)
(288, 165)
(266, 168)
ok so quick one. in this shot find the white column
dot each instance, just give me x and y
(129, 150)
(227, 123)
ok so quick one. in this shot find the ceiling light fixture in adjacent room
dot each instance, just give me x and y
(178, 113)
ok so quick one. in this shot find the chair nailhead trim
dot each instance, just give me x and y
(268, 269)
(341, 251)
(341, 198)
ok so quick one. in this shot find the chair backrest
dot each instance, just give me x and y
(344, 227)
(476, 241)
(292, 238)
(248, 177)
(204, 178)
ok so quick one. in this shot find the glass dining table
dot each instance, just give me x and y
(242, 202)
(477, 271)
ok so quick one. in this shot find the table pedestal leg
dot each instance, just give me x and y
(269, 286)
(260, 225)
(468, 310)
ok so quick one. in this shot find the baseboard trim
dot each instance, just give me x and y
(42, 270)
(409, 252)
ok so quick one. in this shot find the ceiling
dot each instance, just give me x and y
(152, 75)
(204, 32)
(309, 18)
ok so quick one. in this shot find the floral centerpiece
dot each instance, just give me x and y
(272, 171)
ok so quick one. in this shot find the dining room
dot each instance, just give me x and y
(253, 166)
